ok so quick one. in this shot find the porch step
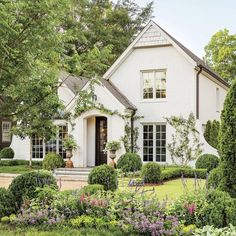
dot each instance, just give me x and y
(71, 174)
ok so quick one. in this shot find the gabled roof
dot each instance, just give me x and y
(77, 83)
(165, 40)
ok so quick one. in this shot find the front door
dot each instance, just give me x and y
(101, 139)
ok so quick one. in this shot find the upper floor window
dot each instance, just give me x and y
(154, 84)
(6, 131)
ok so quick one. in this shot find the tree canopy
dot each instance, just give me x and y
(221, 54)
(40, 38)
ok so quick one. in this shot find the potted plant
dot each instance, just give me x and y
(112, 147)
(69, 145)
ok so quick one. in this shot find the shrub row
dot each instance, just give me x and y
(16, 162)
(174, 173)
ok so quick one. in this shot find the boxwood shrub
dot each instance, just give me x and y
(104, 175)
(24, 186)
(7, 202)
(207, 161)
(215, 177)
(7, 153)
(52, 160)
(129, 162)
(151, 172)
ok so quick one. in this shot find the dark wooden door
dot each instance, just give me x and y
(101, 139)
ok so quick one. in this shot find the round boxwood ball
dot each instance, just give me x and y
(7, 203)
(151, 172)
(52, 161)
(104, 175)
(207, 161)
(129, 162)
(7, 153)
(24, 186)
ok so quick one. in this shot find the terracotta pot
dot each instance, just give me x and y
(69, 154)
(112, 154)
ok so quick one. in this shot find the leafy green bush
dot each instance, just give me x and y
(207, 161)
(104, 175)
(24, 186)
(129, 162)
(7, 153)
(151, 172)
(177, 172)
(7, 202)
(220, 210)
(215, 177)
(91, 189)
(212, 231)
(52, 161)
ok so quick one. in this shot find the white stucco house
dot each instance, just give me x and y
(155, 77)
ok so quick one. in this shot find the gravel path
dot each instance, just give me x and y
(63, 183)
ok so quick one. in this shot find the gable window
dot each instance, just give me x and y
(40, 148)
(6, 131)
(154, 142)
(154, 84)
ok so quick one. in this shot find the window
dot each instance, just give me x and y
(41, 148)
(154, 142)
(154, 84)
(6, 131)
(217, 100)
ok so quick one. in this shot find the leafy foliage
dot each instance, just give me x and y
(24, 186)
(211, 133)
(207, 161)
(211, 230)
(215, 177)
(185, 145)
(7, 153)
(53, 160)
(151, 172)
(129, 162)
(7, 202)
(207, 131)
(91, 189)
(228, 142)
(104, 175)
(221, 54)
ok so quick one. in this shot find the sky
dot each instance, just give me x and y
(193, 22)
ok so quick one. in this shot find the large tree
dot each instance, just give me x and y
(228, 142)
(221, 54)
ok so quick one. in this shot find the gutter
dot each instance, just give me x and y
(197, 91)
(132, 130)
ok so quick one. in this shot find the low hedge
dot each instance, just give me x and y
(7, 153)
(174, 173)
(16, 162)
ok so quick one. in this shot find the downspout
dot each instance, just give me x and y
(132, 130)
(197, 91)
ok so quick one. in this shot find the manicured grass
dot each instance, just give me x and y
(58, 231)
(19, 169)
(170, 190)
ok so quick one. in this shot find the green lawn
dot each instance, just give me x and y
(20, 169)
(57, 231)
(170, 190)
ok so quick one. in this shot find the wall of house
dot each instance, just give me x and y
(209, 107)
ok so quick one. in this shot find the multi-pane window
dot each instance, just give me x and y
(40, 148)
(6, 131)
(154, 84)
(154, 142)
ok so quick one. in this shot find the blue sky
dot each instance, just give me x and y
(193, 22)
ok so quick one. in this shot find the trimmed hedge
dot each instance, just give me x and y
(151, 172)
(16, 162)
(7, 202)
(7, 153)
(187, 173)
(207, 161)
(52, 161)
(215, 177)
(129, 162)
(25, 185)
(104, 175)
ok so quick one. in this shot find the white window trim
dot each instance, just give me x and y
(154, 99)
(154, 140)
(8, 123)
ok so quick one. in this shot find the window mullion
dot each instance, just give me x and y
(154, 142)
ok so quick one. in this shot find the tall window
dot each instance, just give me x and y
(154, 84)
(6, 131)
(154, 142)
(41, 148)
